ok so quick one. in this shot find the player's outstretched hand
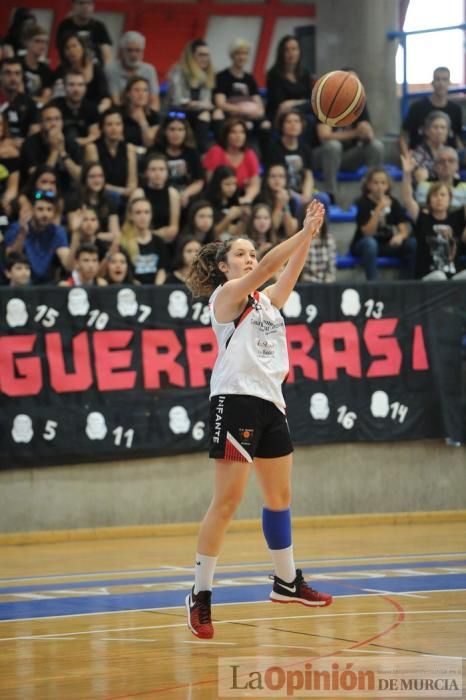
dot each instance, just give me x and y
(314, 218)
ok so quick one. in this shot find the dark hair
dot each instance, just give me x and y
(370, 174)
(31, 185)
(129, 279)
(189, 227)
(86, 248)
(266, 195)
(11, 61)
(284, 115)
(180, 245)
(133, 81)
(271, 234)
(44, 196)
(74, 71)
(227, 127)
(154, 155)
(196, 43)
(13, 37)
(205, 275)
(214, 191)
(61, 49)
(279, 64)
(108, 113)
(33, 31)
(161, 141)
(16, 259)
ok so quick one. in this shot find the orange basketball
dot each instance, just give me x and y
(338, 98)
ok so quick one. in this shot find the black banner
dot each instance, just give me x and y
(89, 374)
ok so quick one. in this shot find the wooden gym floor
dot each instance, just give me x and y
(103, 619)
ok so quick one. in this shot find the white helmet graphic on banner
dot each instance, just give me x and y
(78, 302)
(319, 407)
(127, 303)
(178, 306)
(96, 427)
(350, 302)
(178, 420)
(22, 430)
(16, 313)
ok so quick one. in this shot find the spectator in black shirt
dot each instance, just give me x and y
(80, 115)
(412, 130)
(93, 31)
(75, 56)
(38, 76)
(237, 95)
(49, 147)
(9, 167)
(140, 120)
(288, 84)
(23, 17)
(20, 109)
(92, 195)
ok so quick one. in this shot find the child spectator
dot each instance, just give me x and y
(147, 251)
(86, 268)
(186, 251)
(200, 223)
(276, 193)
(260, 229)
(321, 262)
(165, 200)
(18, 270)
(382, 226)
(223, 194)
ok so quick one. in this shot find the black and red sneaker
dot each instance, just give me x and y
(199, 615)
(298, 591)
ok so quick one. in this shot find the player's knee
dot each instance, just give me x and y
(279, 500)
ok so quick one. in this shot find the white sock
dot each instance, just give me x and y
(204, 569)
(283, 563)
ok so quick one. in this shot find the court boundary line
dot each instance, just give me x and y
(191, 528)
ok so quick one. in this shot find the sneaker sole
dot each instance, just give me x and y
(188, 613)
(278, 598)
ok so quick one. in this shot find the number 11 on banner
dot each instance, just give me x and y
(121, 433)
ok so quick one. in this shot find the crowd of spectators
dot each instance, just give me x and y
(102, 182)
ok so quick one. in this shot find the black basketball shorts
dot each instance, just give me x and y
(243, 427)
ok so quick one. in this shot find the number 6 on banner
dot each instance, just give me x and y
(198, 430)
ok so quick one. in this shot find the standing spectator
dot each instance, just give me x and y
(237, 94)
(164, 199)
(140, 120)
(276, 193)
(36, 236)
(347, 148)
(190, 89)
(130, 64)
(436, 130)
(147, 251)
(445, 169)
(18, 270)
(80, 115)
(288, 83)
(176, 141)
(295, 155)
(74, 55)
(117, 158)
(233, 150)
(38, 76)
(93, 31)
(382, 226)
(413, 124)
(9, 166)
(23, 18)
(439, 231)
(185, 253)
(321, 262)
(20, 109)
(92, 194)
(49, 147)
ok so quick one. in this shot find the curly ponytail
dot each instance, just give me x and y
(204, 275)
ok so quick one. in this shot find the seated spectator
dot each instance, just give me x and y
(80, 115)
(85, 272)
(43, 178)
(20, 109)
(236, 93)
(92, 194)
(436, 130)
(413, 124)
(22, 19)
(233, 150)
(84, 228)
(9, 166)
(446, 170)
(117, 158)
(382, 226)
(93, 32)
(200, 223)
(147, 251)
(276, 193)
(175, 140)
(260, 229)
(321, 262)
(186, 251)
(288, 83)
(295, 155)
(18, 270)
(439, 231)
(39, 239)
(119, 268)
(75, 56)
(223, 194)
(129, 64)
(346, 148)
(49, 147)
(164, 199)
(140, 120)
(190, 89)
(38, 76)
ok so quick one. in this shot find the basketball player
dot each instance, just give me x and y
(248, 424)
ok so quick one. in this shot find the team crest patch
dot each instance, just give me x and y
(246, 435)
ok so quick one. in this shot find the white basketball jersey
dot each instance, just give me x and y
(252, 352)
